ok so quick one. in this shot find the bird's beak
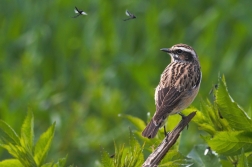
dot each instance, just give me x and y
(166, 50)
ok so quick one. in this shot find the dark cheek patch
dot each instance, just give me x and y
(188, 57)
(184, 57)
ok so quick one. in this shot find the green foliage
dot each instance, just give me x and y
(229, 129)
(43, 144)
(83, 72)
(202, 156)
(231, 143)
(129, 156)
(249, 159)
(236, 117)
(138, 123)
(175, 159)
(23, 149)
(227, 123)
(27, 134)
(11, 163)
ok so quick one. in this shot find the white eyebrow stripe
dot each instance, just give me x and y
(186, 50)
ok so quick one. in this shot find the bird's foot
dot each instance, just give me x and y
(183, 117)
(166, 134)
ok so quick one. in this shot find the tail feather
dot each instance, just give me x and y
(151, 130)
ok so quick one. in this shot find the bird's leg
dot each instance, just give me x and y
(183, 117)
(166, 134)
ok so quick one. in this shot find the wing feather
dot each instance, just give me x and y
(127, 13)
(168, 99)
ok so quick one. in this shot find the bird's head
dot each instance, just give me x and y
(181, 52)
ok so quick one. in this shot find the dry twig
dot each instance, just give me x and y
(154, 158)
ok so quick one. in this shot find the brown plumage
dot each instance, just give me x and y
(179, 84)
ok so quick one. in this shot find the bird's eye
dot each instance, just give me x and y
(179, 51)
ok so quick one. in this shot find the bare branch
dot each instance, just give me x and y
(154, 158)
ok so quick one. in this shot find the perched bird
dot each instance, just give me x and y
(179, 84)
(131, 16)
(79, 12)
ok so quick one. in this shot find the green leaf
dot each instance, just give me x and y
(230, 110)
(137, 157)
(43, 145)
(7, 134)
(11, 149)
(202, 158)
(11, 163)
(105, 158)
(119, 155)
(10, 141)
(61, 162)
(136, 121)
(249, 158)
(125, 156)
(171, 122)
(27, 133)
(201, 120)
(242, 162)
(226, 163)
(21, 154)
(175, 159)
(48, 165)
(214, 117)
(231, 143)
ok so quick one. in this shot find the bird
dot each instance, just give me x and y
(179, 85)
(79, 12)
(131, 16)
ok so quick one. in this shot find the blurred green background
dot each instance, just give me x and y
(83, 72)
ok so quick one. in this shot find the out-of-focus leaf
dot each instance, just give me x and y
(7, 134)
(242, 162)
(171, 122)
(11, 163)
(21, 154)
(61, 162)
(249, 158)
(226, 163)
(10, 141)
(48, 165)
(105, 159)
(230, 143)
(43, 144)
(23, 151)
(136, 121)
(230, 110)
(27, 133)
(175, 159)
(202, 158)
